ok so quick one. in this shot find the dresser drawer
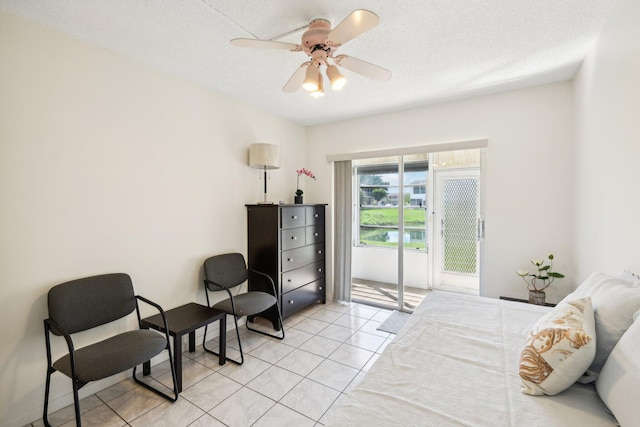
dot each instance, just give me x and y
(315, 215)
(314, 234)
(301, 297)
(291, 238)
(301, 276)
(299, 257)
(293, 217)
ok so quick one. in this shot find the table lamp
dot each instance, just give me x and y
(264, 156)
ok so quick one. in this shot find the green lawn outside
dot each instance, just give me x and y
(388, 217)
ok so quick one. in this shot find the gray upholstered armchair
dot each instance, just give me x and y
(228, 271)
(84, 304)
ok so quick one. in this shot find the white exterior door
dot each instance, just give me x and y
(457, 231)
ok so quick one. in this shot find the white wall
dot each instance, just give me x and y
(109, 166)
(528, 172)
(607, 148)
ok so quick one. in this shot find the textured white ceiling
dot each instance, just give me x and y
(437, 50)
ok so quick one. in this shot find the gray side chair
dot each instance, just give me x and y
(227, 271)
(86, 303)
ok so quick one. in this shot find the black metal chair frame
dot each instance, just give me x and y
(235, 317)
(51, 326)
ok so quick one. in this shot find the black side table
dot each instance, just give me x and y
(185, 320)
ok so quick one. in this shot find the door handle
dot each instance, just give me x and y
(480, 233)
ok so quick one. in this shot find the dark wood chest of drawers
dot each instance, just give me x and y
(287, 242)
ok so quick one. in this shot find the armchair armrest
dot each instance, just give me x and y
(51, 326)
(159, 308)
(217, 285)
(260, 273)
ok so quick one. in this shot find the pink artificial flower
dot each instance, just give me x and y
(303, 171)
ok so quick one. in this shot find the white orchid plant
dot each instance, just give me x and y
(543, 276)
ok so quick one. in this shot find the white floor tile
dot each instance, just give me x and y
(180, 413)
(326, 315)
(370, 362)
(134, 403)
(365, 340)
(210, 391)
(333, 374)
(320, 346)
(351, 356)
(310, 398)
(242, 408)
(326, 418)
(100, 415)
(340, 307)
(280, 415)
(251, 368)
(354, 382)
(207, 421)
(312, 326)
(364, 311)
(300, 362)
(275, 382)
(371, 327)
(336, 332)
(352, 322)
(295, 337)
(382, 315)
(272, 351)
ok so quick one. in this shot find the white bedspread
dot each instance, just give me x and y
(455, 363)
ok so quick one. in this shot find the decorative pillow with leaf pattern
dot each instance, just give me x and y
(559, 348)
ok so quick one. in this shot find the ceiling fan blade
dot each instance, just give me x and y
(265, 44)
(296, 79)
(352, 26)
(363, 68)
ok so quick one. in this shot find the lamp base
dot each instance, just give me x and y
(265, 202)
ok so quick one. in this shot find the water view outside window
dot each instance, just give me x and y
(381, 197)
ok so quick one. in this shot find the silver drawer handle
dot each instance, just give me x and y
(319, 270)
(290, 301)
(294, 238)
(316, 234)
(319, 252)
(320, 288)
(294, 217)
(316, 215)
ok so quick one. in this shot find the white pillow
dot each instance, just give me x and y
(630, 277)
(559, 349)
(619, 382)
(615, 303)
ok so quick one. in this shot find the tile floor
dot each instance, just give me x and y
(293, 382)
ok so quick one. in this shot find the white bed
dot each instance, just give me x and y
(456, 363)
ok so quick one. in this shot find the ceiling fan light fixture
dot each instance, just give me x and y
(336, 79)
(318, 93)
(311, 78)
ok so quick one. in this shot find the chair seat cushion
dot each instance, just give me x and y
(248, 304)
(113, 355)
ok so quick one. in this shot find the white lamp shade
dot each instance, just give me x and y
(264, 156)
(336, 79)
(311, 78)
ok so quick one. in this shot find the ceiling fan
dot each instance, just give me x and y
(320, 43)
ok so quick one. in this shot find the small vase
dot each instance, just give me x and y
(297, 200)
(536, 297)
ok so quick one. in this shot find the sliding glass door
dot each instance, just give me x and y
(390, 260)
(417, 226)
